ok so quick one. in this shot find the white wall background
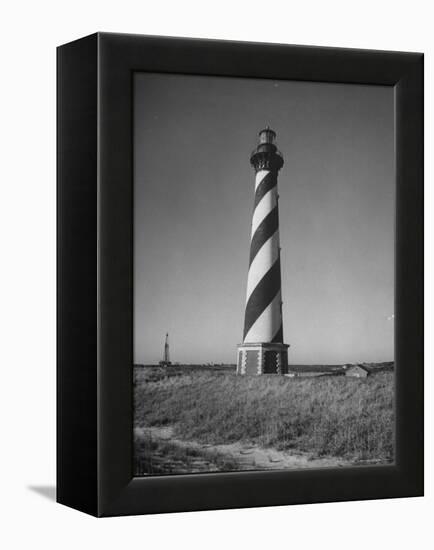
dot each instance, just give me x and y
(30, 31)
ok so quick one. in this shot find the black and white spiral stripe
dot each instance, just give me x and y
(263, 316)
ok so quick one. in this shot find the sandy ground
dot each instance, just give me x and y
(249, 457)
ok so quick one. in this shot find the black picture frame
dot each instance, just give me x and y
(95, 274)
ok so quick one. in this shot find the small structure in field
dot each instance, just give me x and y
(166, 356)
(357, 371)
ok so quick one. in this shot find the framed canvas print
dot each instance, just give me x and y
(240, 274)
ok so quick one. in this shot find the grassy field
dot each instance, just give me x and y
(328, 416)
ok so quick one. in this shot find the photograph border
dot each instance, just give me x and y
(95, 274)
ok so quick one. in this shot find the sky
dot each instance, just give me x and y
(193, 201)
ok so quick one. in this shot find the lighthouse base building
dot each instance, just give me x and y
(263, 350)
(265, 358)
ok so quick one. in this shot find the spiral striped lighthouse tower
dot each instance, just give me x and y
(263, 350)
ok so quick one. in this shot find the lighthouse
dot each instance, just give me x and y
(263, 350)
(166, 356)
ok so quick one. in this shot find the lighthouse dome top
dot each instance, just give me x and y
(267, 135)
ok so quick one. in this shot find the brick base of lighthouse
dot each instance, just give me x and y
(256, 359)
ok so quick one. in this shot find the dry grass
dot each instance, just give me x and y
(327, 416)
(156, 457)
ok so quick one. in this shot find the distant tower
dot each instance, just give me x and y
(263, 350)
(166, 357)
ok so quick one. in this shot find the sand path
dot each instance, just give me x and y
(248, 457)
